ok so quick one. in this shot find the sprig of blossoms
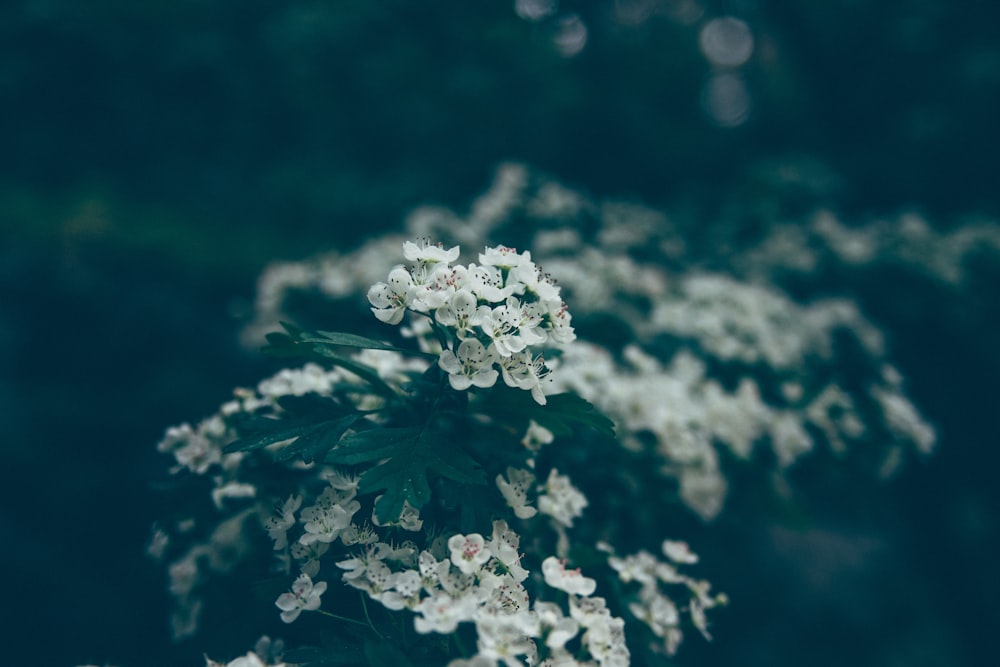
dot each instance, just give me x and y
(492, 315)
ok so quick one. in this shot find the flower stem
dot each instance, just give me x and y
(364, 605)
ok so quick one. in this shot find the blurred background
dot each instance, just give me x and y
(156, 155)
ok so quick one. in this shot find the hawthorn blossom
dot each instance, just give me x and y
(442, 613)
(561, 500)
(571, 581)
(468, 552)
(472, 365)
(679, 552)
(277, 525)
(504, 257)
(460, 312)
(390, 300)
(504, 547)
(525, 372)
(323, 523)
(515, 491)
(304, 596)
(501, 325)
(424, 251)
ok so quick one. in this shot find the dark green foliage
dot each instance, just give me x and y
(560, 413)
(408, 454)
(313, 423)
(325, 347)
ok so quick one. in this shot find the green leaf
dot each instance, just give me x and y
(560, 413)
(318, 441)
(352, 340)
(323, 346)
(312, 423)
(372, 445)
(404, 457)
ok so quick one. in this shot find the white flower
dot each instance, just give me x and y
(442, 613)
(504, 257)
(535, 282)
(231, 490)
(468, 552)
(403, 593)
(571, 581)
(504, 637)
(504, 547)
(501, 325)
(473, 365)
(323, 522)
(409, 518)
(640, 567)
(355, 534)
(424, 251)
(305, 596)
(308, 556)
(474, 661)
(525, 372)
(486, 282)
(561, 500)
(679, 552)
(561, 628)
(536, 436)
(389, 300)
(460, 312)
(251, 659)
(277, 525)
(515, 491)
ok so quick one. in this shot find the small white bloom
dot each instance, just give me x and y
(561, 500)
(277, 525)
(409, 519)
(424, 251)
(472, 365)
(501, 325)
(308, 555)
(679, 552)
(515, 491)
(525, 372)
(323, 523)
(460, 312)
(571, 581)
(442, 613)
(474, 661)
(390, 300)
(304, 596)
(468, 552)
(536, 436)
(504, 547)
(486, 282)
(504, 257)
(355, 534)
(231, 490)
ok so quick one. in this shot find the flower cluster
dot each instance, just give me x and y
(651, 604)
(493, 314)
(480, 581)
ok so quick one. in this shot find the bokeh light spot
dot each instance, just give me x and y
(726, 41)
(726, 99)
(535, 10)
(570, 35)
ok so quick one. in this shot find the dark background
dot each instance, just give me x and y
(156, 155)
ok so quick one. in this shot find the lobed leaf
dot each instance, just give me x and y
(404, 457)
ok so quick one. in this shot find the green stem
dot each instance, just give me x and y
(458, 643)
(364, 605)
(342, 618)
